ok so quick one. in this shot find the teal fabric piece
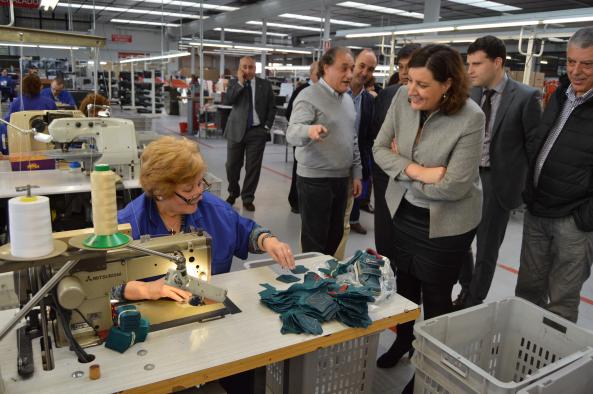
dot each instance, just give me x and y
(142, 330)
(287, 279)
(299, 269)
(119, 340)
(303, 307)
(128, 320)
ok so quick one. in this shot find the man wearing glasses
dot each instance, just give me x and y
(557, 247)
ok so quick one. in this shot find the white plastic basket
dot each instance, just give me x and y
(498, 347)
(575, 378)
(347, 367)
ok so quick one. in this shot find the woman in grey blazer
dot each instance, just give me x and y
(430, 146)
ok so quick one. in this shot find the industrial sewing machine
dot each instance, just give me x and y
(19, 142)
(79, 306)
(77, 138)
(112, 140)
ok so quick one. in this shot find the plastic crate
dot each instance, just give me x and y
(344, 368)
(498, 347)
(575, 378)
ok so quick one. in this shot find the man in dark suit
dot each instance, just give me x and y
(512, 112)
(293, 194)
(247, 130)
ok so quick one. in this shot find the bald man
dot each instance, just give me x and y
(247, 130)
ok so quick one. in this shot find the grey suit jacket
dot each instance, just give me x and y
(513, 130)
(265, 106)
(453, 141)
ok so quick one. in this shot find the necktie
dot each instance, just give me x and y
(487, 107)
(250, 107)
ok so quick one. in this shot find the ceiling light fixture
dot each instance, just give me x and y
(257, 33)
(384, 10)
(320, 20)
(193, 4)
(489, 5)
(285, 26)
(150, 58)
(136, 22)
(497, 25)
(129, 10)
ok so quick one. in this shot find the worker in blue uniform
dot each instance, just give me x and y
(30, 101)
(57, 93)
(175, 200)
(7, 85)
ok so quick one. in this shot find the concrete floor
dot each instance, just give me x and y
(273, 211)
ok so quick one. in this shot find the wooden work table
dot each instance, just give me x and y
(196, 353)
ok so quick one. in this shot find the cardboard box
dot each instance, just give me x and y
(31, 162)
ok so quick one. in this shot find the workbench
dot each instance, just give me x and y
(196, 353)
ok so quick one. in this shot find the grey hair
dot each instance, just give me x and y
(329, 58)
(582, 38)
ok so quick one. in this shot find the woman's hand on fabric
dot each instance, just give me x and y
(279, 251)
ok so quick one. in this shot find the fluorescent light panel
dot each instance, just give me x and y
(402, 32)
(211, 44)
(137, 22)
(489, 5)
(150, 58)
(317, 19)
(383, 10)
(284, 26)
(257, 33)
(193, 4)
(575, 19)
(496, 25)
(16, 44)
(129, 10)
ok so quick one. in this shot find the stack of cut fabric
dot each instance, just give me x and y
(304, 306)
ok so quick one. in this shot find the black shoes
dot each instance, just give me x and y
(357, 228)
(231, 199)
(249, 206)
(390, 358)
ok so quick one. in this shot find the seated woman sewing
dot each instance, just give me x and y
(175, 200)
(31, 100)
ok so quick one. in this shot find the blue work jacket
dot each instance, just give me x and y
(64, 97)
(229, 231)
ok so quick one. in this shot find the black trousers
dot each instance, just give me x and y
(293, 194)
(489, 237)
(427, 268)
(382, 218)
(322, 202)
(251, 151)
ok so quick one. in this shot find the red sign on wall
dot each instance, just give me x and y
(33, 4)
(121, 38)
